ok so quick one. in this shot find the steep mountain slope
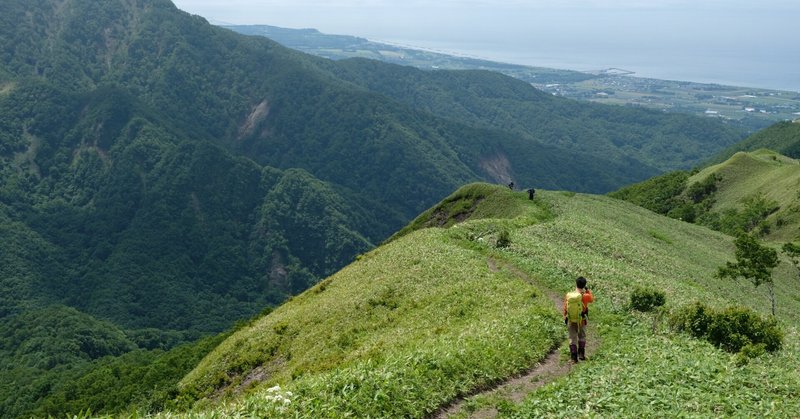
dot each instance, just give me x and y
(417, 321)
(127, 208)
(491, 100)
(166, 239)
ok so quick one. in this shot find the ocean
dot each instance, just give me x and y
(756, 67)
(734, 42)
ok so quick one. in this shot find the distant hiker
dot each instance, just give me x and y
(531, 193)
(511, 186)
(576, 315)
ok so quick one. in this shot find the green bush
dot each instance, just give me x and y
(644, 299)
(731, 328)
(503, 239)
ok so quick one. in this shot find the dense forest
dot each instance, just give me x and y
(162, 179)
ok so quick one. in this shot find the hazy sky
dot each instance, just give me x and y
(579, 34)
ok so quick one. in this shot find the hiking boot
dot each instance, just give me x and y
(582, 354)
(574, 356)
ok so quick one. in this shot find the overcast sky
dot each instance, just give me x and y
(761, 32)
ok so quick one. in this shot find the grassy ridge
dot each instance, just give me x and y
(476, 201)
(765, 173)
(406, 328)
(423, 318)
(752, 191)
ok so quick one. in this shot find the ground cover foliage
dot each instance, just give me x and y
(643, 365)
(639, 373)
(398, 333)
(643, 368)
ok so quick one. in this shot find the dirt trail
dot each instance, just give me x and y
(515, 388)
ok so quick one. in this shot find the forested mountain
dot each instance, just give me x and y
(490, 100)
(162, 178)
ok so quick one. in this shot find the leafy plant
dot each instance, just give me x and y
(647, 299)
(731, 328)
(503, 239)
(754, 262)
(792, 251)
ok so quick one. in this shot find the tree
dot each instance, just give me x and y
(792, 251)
(753, 262)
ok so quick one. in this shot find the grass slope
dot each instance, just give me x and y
(761, 172)
(398, 333)
(422, 319)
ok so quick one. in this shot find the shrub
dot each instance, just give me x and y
(503, 239)
(731, 329)
(643, 299)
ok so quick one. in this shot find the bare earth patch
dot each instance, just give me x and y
(498, 167)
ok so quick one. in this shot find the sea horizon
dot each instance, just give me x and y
(728, 69)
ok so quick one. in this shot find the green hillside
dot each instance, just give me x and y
(783, 137)
(752, 192)
(439, 312)
(765, 174)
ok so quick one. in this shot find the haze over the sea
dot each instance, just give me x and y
(745, 43)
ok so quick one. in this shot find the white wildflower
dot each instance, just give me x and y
(281, 400)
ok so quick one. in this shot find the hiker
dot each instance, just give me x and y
(531, 193)
(511, 186)
(576, 315)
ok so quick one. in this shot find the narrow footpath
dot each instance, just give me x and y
(515, 388)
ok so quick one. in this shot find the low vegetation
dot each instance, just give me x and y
(379, 338)
(731, 328)
(639, 372)
(643, 368)
(408, 327)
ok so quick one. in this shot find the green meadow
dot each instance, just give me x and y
(441, 312)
